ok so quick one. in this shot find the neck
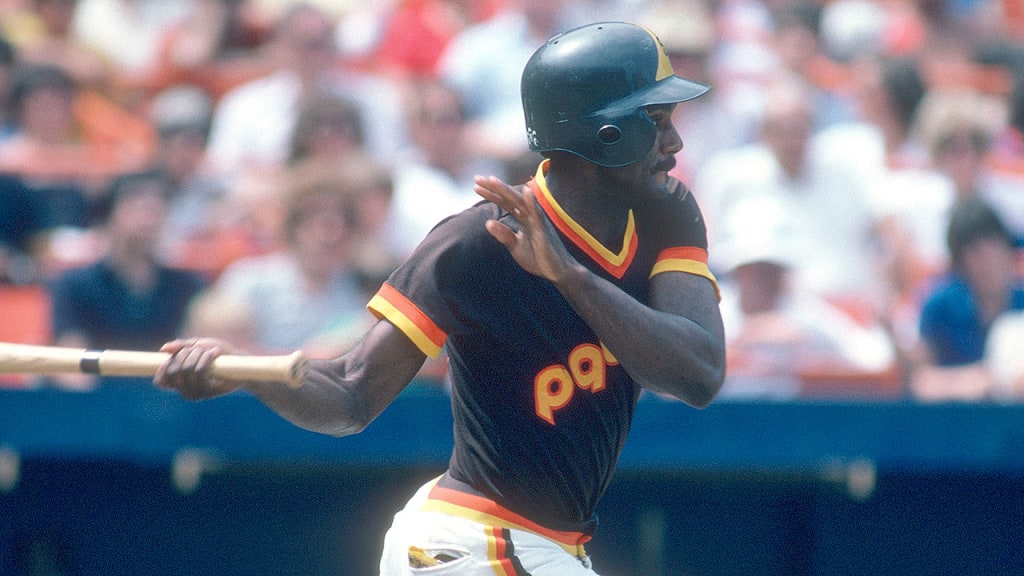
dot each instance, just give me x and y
(991, 303)
(584, 195)
(135, 270)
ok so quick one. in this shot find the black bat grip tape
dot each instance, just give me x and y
(90, 363)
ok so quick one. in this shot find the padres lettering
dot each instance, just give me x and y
(554, 386)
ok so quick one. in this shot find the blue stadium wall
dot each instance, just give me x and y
(130, 481)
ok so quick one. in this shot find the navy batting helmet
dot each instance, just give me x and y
(585, 92)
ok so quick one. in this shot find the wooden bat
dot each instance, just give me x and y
(30, 359)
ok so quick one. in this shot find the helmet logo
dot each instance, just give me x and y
(664, 64)
(609, 134)
(531, 135)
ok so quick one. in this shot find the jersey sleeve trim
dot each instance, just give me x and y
(390, 304)
(689, 259)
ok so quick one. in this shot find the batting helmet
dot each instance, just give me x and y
(585, 92)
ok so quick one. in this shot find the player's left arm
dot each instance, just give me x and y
(674, 344)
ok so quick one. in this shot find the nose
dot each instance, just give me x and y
(671, 141)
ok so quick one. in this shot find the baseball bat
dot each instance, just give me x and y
(31, 359)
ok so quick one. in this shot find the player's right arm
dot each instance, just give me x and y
(338, 397)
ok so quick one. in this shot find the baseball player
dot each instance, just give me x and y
(557, 302)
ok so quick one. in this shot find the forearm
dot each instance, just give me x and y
(338, 397)
(677, 350)
(342, 396)
(328, 401)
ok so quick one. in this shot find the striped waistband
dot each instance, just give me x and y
(486, 511)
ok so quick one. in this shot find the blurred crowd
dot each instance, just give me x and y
(253, 169)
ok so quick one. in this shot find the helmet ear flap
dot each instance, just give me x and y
(618, 139)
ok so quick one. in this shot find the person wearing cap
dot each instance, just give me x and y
(557, 302)
(781, 335)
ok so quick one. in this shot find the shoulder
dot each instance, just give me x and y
(84, 283)
(467, 228)
(459, 249)
(88, 273)
(675, 213)
(951, 293)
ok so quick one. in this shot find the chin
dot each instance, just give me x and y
(659, 186)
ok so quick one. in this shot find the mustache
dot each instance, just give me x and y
(665, 165)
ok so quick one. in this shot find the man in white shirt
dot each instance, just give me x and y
(253, 123)
(827, 201)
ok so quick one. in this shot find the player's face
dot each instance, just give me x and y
(648, 177)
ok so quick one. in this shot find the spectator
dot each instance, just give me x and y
(128, 299)
(908, 198)
(796, 40)
(127, 33)
(253, 123)
(329, 138)
(956, 317)
(957, 126)
(329, 128)
(826, 198)
(960, 128)
(218, 45)
(309, 294)
(234, 218)
(197, 235)
(887, 93)
(59, 145)
(55, 44)
(416, 33)
(782, 340)
(46, 150)
(434, 178)
(374, 258)
(103, 113)
(484, 63)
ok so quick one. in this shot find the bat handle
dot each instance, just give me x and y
(290, 369)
